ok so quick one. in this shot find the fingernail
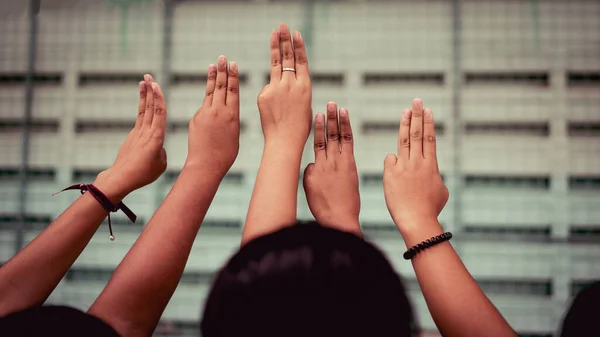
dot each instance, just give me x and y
(428, 112)
(232, 65)
(146, 77)
(154, 86)
(406, 114)
(343, 112)
(320, 117)
(221, 61)
(297, 35)
(331, 106)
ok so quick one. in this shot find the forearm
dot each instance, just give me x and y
(275, 196)
(144, 282)
(456, 303)
(30, 277)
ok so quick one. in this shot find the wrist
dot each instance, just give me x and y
(417, 229)
(111, 185)
(286, 144)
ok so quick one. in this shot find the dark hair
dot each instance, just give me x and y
(582, 316)
(307, 280)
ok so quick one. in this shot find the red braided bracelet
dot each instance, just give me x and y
(104, 201)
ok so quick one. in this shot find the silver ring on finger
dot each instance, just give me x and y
(289, 69)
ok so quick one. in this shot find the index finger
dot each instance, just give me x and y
(301, 58)
(149, 113)
(416, 130)
(275, 57)
(159, 122)
(141, 105)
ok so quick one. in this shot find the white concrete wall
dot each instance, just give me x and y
(352, 38)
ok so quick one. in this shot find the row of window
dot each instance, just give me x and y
(513, 233)
(530, 78)
(367, 127)
(505, 286)
(541, 182)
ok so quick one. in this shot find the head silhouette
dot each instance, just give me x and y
(582, 316)
(307, 280)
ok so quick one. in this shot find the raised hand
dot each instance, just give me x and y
(285, 114)
(214, 132)
(139, 290)
(285, 103)
(412, 183)
(29, 277)
(415, 195)
(331, 182)
(142, 158)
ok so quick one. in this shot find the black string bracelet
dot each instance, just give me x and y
(104, 201)
(411, 252)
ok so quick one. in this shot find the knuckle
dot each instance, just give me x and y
(233, 89)
(288, 55)
(346, 138)
(275, 62)
(209, 92)
(159, 111)
(320, 145)
(333, 135)
(141, 112)
(416, 134)
(430, 138)
(301, 59)
(221, 86)
(417, 114)
(404, 142)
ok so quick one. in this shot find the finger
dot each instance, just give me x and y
(210, 85)
(346, 137)
(416, 130)
(306, 176)
(300, 57)
(404, 136)
(307, 172)
(275, 57)
(159, 122)
(221, 84)
(320, 142)
(287, 51)
(333, 132)
(428, 135)
(141, 106)
(389, 162)
(233, 86)
(149, 112)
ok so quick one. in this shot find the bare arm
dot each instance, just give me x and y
(30, 277)
(285, 112)
(141, 287)
(415, 195)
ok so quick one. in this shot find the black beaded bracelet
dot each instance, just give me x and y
(411, 252)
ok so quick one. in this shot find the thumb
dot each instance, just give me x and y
(390, 161)
(307, 172)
